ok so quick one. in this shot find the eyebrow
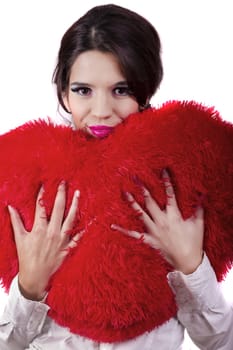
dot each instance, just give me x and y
(81, 84)
(124, 82)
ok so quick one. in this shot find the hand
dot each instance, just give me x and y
(180, 241)
(42, 251)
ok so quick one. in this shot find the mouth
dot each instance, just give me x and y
(100, 131)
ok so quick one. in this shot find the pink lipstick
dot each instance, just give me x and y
(100, 131)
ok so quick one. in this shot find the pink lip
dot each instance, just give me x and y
(100, 131)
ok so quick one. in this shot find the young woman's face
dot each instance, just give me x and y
(98, 96)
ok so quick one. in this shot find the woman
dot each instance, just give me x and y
(109, 67)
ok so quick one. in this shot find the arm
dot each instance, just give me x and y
(21, 321)
(202, 308)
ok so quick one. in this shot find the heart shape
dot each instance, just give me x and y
(112, 287)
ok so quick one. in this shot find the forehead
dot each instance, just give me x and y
(95, 66)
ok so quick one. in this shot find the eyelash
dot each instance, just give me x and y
(82, 91)
(86, 91)
(126, 91)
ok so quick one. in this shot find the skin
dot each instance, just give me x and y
(98, 96)
(179, 240)
(42, 251)
(101, 96)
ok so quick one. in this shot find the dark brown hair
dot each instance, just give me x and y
(124, 33)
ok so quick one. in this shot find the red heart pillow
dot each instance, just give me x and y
(113, 287)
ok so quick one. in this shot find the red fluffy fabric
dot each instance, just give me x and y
(113, 287)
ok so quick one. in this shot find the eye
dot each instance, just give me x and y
(82, 91)
(122, 91)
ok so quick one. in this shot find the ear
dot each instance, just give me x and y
(66, 101)
(147, 103)
(145, 106)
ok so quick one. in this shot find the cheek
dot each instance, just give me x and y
(77, 121)
(128, 108)
(78, 112)
(78, 117)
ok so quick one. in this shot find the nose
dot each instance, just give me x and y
(102, 106)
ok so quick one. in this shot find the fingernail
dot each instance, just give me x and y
(41, 190)
(145, 191)
(62, 184)
(137, 181)
(129, 196)
(165, 173)
(114, 227)
(77, 193)
(10, 208)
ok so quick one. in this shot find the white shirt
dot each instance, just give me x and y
(202, 310)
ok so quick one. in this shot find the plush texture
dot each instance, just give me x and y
(113, 287)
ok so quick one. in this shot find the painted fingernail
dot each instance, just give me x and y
(41, 188)
(61, 185)
(165, 173)
(145, 191)
(137, 181)
(129, 196)
(114, 227)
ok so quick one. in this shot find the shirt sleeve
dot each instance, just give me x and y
(21, 321)
(202, 309)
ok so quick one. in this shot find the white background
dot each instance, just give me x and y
(197, 53)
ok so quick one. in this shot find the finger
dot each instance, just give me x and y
(144, 237)
(16, 222)
(134, 204)
(151, 205)
(67, 225)
(149, 223)
(74, 241)
(40, 212)
(171, 198)
(58, 208)
(130, 233)
(199, 214)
